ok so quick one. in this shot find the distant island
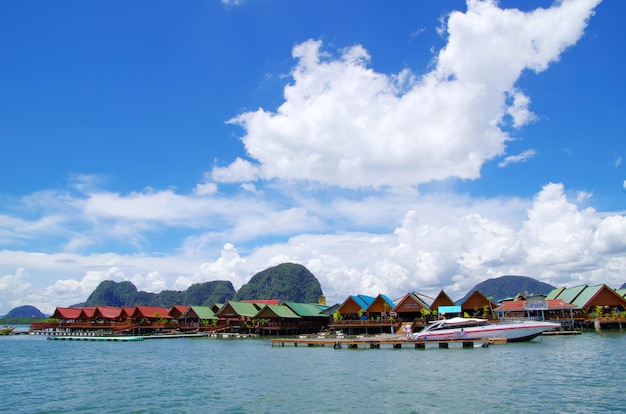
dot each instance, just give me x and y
(287, 282)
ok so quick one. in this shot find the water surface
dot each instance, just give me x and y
(577, 374)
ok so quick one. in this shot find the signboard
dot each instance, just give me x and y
(536, 305)
(449, 309)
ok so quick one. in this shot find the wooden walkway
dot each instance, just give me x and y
(385, 341)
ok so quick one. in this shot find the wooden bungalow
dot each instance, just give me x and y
(477, 305)
(276, 320)
(312, 318)
(198, 317)
(364, 314)
(410, 308)
(442, 299)
(354, 307)
(380, 307)
(237, 314)
(177, 310)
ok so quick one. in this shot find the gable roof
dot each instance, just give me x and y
(475, 300)
(276, 311)
(442, 299)
(554, 293)
(410, 303)
(598, 295)
(107, 312)
(354, 303)
(234, 308)
(378, 304)
(66, 313)
(150, 312)
(199, 312)
(176, 311)
(306, 309)
(86, 312)
(568, 295)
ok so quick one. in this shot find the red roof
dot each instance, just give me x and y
(150, 312)
(107, 312)
(87, 312)
(127, 312)
(66, 313)
(177, 310)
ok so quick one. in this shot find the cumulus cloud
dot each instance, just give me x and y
(444, 243)
(344, 124)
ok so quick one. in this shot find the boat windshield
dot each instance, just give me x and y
(455, 323)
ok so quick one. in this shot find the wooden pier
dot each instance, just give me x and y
(385, 341)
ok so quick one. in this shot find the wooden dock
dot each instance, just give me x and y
(385, 341)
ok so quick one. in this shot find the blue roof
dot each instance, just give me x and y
(364, 301)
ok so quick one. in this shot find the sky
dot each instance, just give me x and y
(387, 146)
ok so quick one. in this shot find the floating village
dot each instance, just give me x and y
(360, 320)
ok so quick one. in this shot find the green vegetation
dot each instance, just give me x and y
(23, 321)
(287, 282)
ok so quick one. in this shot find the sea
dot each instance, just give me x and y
(551, 374)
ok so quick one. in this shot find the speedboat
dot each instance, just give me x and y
(5, 330)
(474, 328)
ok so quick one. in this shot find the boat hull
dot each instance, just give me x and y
(512, 332)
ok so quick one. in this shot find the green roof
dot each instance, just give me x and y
(586, 295)
(621, 292)
(305, 309)
(555, 293)
(243, 308)
(280, 311)
(203, 312)
(568, 295)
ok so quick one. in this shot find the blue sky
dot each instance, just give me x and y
(387, 147)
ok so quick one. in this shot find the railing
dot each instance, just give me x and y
(367, 322)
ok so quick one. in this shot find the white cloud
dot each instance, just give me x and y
(449, 243)
(205, 189)
(343, 124)
(514, 159)
(346, 125)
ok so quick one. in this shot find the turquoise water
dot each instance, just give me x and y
(576, 374)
